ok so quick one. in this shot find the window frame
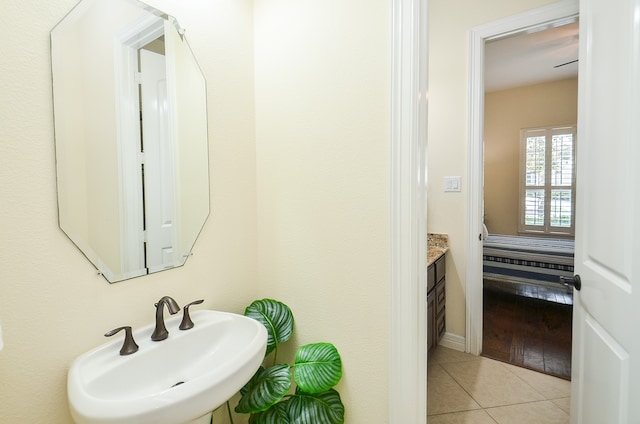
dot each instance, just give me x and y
(547, 229)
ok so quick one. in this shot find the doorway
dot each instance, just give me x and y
(530, 112)
(552, 16)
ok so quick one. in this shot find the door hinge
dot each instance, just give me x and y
(137, 77)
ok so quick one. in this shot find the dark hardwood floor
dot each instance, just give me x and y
(522, 328)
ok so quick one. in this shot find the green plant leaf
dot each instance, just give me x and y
(325, 408)
(253, 380)
(276, 317)
(266, 387)
(318, 367)
(277, 414)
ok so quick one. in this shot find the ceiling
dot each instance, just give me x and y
(530, 57)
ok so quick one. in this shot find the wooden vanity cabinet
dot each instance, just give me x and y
(436, 300)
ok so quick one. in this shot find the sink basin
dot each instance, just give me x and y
(173, 381)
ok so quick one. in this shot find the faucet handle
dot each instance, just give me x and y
(186, 319)
(129, 346)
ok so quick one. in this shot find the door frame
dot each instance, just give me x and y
(555, 13)
(408, 210)
(126, 45)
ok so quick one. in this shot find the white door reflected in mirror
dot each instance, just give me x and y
(157, 169)
(131, 137)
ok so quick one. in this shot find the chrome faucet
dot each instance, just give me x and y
(160, 332)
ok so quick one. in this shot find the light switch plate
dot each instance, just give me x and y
(453, 183)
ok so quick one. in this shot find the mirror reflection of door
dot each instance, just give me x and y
(157, 168)
(133, 196)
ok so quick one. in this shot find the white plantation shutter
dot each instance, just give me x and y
(547, 187)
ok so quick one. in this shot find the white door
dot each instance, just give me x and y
(159, 187)
(606, 329)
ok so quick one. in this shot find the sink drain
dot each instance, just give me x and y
(178, 383)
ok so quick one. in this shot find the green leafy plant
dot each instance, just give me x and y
(271, 397)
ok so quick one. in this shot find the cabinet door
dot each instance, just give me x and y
(440, 267)
(431, 277)
(440, 324)
(440, 296)
(431, 319)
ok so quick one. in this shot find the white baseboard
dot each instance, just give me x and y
(453, 341)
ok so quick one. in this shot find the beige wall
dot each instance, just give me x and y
(449, 25)
(506, 112)
(319, 224)
(322, 138)
(53, 306)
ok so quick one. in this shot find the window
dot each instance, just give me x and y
(548, 180)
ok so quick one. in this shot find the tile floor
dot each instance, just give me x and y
(467, 389)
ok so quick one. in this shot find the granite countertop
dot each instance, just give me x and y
(437, 246)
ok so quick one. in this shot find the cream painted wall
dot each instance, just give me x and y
(506, 113)
(323, 237)
(322, 141)
(53, 306)
(449, 25)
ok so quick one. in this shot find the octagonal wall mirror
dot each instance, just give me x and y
(131, 137)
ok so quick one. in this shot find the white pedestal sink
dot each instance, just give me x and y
(173, 381)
